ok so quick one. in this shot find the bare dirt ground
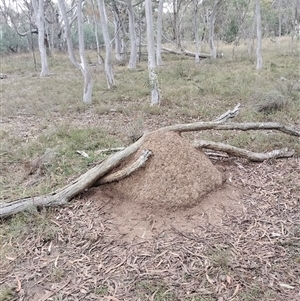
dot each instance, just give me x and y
(141, 239)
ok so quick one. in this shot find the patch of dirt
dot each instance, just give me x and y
(134, 220)
(164, 193)
(176, 175)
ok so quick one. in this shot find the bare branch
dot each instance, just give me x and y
(239, 152)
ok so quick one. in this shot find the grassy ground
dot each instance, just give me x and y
(44, 122)
(45, 117)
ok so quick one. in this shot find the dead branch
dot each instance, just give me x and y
(200, 126)
(123, 173)
(240, 152)
(187, 53)
(229, 114)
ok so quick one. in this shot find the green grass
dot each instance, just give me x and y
(46, 162)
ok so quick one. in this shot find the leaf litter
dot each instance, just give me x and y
(248, 253)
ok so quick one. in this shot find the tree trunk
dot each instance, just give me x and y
(159, 33)
(96, 34)
(117, 38)
(108, 56)
(88, 82)
(259, 59)
(213, 50)
(279, 23)
(153, 80)
(196, 30)
(38, 6)
(132, 34)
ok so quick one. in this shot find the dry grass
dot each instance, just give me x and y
(44, 123)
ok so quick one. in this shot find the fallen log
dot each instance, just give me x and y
(94, 175)
(243, 153)
(187, 53)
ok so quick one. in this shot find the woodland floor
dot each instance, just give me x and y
(240, 242)
(117, 242)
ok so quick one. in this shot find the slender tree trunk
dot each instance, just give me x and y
(259, 59)
(88, 83)
(196, 30)
(159, 33)
(38, 7)
(212, 29)
(117, 37)
(96, 34)
(153, 80)
(279, 23)
(108, 56)
(132, 34)
(63, 10)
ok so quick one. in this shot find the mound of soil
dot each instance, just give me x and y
(176, 175)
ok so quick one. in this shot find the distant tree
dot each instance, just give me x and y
(153, 80)
(120, 47)
(259, 60)
(108, 49)
(213, 15)
(82, 66)
(38, 7)
(132, 35)
(159, 32)
(196, 29)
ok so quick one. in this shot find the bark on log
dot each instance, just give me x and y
(187, 53)
(200, 126)
(240, 152)
(125, 172)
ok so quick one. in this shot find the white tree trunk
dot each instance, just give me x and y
(259, 60)
(38, 7)
(117, 39)
(108, 56)
(159, 32)
(196, 30)
(279, 23)
(213, 51)
(153, 81)
(132, 33)
(96, 34)
(88, 83)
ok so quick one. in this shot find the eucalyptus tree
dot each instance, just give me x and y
(82, 65)
(159, 32)
(132, 35)
(153, 80)
(196, 29)
(120, 47)
(38, 8)
(259, 59)
(212, 20)
(108, 49)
